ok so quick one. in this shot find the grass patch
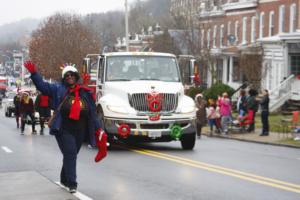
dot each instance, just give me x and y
(290, 141)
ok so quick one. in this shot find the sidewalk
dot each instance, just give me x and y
(30, 185)
(272, 138)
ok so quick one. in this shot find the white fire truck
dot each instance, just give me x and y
(140, 97)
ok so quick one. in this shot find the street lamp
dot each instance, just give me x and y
(126, 26)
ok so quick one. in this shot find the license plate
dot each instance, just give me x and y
(154, 134)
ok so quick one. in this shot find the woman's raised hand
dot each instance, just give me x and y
(30, 66)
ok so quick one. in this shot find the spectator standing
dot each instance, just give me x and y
(42, 105)
(252, 104)
(242, 103)
(17, 101)
(225, 111)
(27, 110)
(75, 117)
(264, 106)
(200, 113)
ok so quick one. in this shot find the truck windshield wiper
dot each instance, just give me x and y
(120, 79)
(154, 79)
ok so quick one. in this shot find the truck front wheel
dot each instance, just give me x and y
(188, 141)
(100, 114)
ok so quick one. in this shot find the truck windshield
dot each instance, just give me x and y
(121, 68)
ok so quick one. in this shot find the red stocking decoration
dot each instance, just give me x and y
(101, 138)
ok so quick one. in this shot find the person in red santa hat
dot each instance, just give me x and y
(75, 117)
(27, 110)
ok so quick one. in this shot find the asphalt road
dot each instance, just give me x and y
(215, 169)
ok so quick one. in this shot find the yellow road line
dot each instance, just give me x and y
(222, 170)
(225, 169)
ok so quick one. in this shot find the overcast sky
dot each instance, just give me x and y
(15, 10)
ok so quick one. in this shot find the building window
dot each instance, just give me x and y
(236, 31)
(253, 29)
(293, 18)
(281, 18)
(214, 36)
(236, 73)
(202, 38)
(261, 25)
(244, 35)
(271, 23)
(228, 31)
(208, 38)
(295, 64)
(221, 35)
(219, 70)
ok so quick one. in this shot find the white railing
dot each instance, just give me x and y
(281, 93)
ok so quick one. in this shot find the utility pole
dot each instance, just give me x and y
(126, 26)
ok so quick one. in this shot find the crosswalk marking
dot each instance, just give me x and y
(6, 149)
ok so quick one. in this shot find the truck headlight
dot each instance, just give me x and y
(187, 109)
(117, 109)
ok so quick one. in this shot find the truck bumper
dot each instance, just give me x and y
(146, 130)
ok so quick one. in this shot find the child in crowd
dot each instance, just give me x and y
(213, 115)
(225, 111)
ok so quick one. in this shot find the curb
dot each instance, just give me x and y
(252, 141)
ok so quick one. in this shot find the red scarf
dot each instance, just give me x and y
(75, 108)
(44, 101)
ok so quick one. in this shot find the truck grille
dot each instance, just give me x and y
(139, 102)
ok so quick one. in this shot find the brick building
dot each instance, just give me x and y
(230, 28)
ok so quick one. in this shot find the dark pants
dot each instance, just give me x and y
(212, 123)
(45, 114)
(198, 128)
(23, 121)
(69, 144)
(17, 115)
(265, 122)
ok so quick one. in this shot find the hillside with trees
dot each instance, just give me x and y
(107, 26)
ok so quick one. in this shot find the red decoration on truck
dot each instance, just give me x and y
(154, 101)
(124, 130)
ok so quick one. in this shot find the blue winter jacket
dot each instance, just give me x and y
(57, 92)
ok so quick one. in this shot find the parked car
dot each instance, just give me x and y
(8, 104)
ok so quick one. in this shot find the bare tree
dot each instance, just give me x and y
(199, 37)
(165, 43)
(251, 60)
(62, 38)
(148, 13)
(108, 26)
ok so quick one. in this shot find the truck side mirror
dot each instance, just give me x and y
(86, 63)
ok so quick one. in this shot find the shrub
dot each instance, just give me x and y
(217, 89)
(192, 91)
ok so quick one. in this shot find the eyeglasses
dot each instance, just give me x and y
(69, 75)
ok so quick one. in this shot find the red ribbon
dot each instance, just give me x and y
(75, 108)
